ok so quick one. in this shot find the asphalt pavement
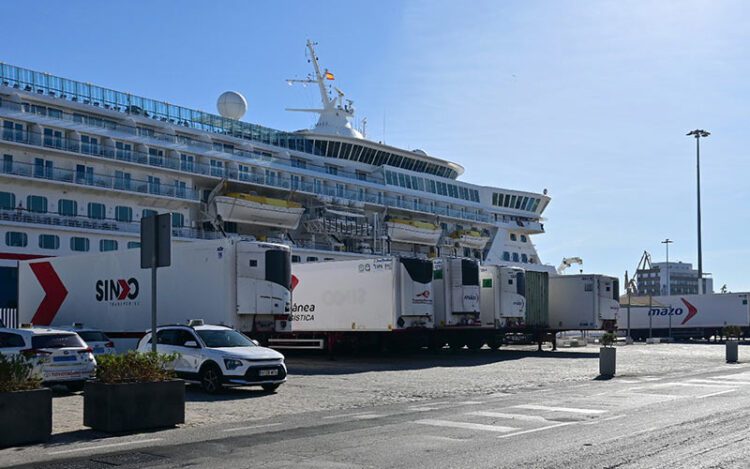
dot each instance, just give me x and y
(691, 418)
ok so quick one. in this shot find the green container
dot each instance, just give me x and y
(537, 299)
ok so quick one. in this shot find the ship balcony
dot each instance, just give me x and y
(166, 162)
(38, 172)
(16, 216)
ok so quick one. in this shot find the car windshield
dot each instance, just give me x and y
(93, 336)
(224, 338)
(56, 341)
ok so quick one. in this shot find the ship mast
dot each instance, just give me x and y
(336, 113)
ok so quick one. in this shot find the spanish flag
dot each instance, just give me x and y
(328, 75)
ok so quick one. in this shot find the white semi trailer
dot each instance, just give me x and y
(363, 302)
(503, 296)
(685, 316)
(583, 302)
(244, 284)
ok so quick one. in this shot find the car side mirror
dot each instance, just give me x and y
(255, 341)
(191, 344)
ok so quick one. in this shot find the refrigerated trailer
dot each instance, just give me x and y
(685, 316)
(583, 302)
(240, 283)
(360, 303)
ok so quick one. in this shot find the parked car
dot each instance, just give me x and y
(94, 338)
(58, 356)
(216, 356)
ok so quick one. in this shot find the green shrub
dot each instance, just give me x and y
(17, 374)
(135, 367)
(732, 331)
(608, 339)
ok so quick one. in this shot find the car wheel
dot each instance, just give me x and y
(270, 387)
(211, 378)
(75, 387)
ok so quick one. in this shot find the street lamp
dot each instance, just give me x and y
(667, 242)
(698, 133)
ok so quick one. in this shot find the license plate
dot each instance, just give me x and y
(67, 358)
(268, 373)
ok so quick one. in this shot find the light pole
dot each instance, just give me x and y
(698, 133)
(667, 242)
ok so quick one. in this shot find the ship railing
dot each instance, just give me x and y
(39, 171)
(20, 215)
(269, 179)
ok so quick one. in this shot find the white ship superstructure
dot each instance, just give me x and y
(81, 165)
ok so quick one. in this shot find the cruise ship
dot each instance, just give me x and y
(82, 164)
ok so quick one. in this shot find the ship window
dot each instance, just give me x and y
(431, 186)
(512, 201)
(513, 237)
(311, 259)
(7, 200)
(333, 170)
(147, 212)
(134, 245)
(523, 238)
(36, 203)
(536, 205)
(178, 220)
(67, 207)
(7, 163)
(97, 211)
(299, 163)
(361, 175)
(494, 198)
(107, 245)
(186, 162)
(295, 259)
(524, 258)
(515, 257)
(401, 181)
(519, 202)
(346, 149)
(48, 241)
(79, 244)
(16, 239)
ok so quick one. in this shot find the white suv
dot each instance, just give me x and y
(59, 357)
(217, 356)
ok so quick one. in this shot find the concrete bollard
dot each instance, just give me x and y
(732, 352)
(607, 361)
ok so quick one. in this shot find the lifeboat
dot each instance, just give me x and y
(473, 239)
(411, 231)
(259, 210)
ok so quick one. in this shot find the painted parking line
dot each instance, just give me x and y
(467, 425)
(251, 427)
(720, 383)
(503, 415)
(343, 416)
(716, 393)
(571, 410)
(534, 430)
(109, 445)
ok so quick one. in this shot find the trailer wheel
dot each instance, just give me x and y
(211, 376)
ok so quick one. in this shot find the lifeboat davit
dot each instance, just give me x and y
(259, 210)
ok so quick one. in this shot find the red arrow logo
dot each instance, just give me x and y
(295, 281)
(124, 289)
(692, 311)
(54, 293)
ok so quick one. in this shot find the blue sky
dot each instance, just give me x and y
(590, 100)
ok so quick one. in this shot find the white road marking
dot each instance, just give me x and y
(422, 408)
(571, 410)
(594, 422)
(471, 403)
(716, 393)
(466, 425)
(502, 415)
(720, 383)
(732, 377)
(700, 385)
(368, 416)
(110, 445)
(533, 430)
(341, 416)
(251, 427)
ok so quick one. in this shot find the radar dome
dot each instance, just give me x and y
(231, 105)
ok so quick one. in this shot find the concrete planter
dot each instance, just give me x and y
(732, 352)
(128, 407)
(607, 361)
(25, 417)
